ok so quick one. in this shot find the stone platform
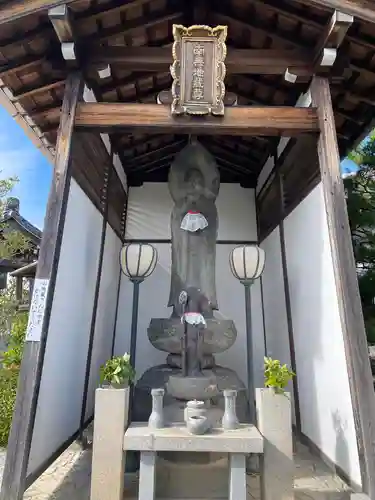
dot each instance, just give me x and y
(161, 478)
(69, 478)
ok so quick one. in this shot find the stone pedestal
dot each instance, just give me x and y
(108, 458)
(274, 417)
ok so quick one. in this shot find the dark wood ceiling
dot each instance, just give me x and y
(32, 67)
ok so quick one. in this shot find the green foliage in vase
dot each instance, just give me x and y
(117, 371)
(276, 375)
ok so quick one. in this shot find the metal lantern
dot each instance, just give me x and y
(247, 262)
(138, 260)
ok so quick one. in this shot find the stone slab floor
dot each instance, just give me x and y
(69, 478)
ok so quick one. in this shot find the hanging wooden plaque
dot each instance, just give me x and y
(198, 70)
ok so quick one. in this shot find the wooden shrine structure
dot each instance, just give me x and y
(302, 77)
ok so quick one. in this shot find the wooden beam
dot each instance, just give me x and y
(165, 150)
(165, 97)
(48, 113)
(251, 61)
(20, 439)
(351, 316)
(266, 121)
(154, 18)
(150, 166)
(360, 9)
(32, 91)
(19, 65)
(16, 9)
(244, 163)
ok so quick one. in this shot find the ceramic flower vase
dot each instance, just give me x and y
(156, 420)
(230, 420)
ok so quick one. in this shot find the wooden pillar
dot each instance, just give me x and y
(19, 283)
(19, 444)
(31, 289)
(352, 324)
(288, 303)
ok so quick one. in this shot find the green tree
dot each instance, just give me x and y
(360, 191)
(11, 242)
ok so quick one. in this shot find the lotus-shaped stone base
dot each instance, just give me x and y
(165, 334)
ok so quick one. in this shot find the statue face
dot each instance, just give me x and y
(194, 181)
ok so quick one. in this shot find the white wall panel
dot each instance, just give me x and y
(60, 397)
(150, 207)
(275, 318)
(277, 338)
(325, 401)
(106, 312)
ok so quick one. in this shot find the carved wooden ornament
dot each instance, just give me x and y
(198, 70)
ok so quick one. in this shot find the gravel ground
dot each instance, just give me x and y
(69, 478)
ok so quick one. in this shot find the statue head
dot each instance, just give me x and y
(194, 173)
(194, 182)
(194, 179)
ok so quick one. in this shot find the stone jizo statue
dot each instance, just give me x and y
(194, 185)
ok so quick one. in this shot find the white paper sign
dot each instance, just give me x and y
(37, 309)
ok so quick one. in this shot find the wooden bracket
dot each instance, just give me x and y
(289, 76)
(62, 21)
(325, 52)
(105, 72)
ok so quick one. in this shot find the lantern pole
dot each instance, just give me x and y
(133, 337)
(247, 264)
(137, 263)
(249, 344)
(134, 323)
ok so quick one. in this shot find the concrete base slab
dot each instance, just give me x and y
(69, 478)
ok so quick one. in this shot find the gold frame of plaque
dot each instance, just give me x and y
(198, 70)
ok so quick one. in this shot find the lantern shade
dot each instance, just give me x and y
(138, 260)
(247, 262)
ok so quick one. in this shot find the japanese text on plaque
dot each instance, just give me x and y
(198, 72)
(37, 309)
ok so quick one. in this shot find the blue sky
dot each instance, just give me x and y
(20, 158)
(348, 166)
